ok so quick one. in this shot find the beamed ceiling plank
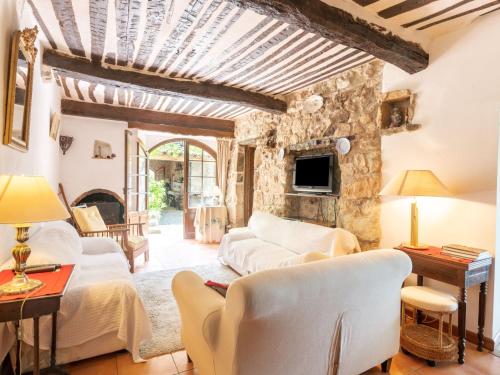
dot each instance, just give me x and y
(85, 70)
(152, 120)
(65, 14)
(98, 12)
(339, 26)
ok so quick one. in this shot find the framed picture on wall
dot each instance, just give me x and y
(55, 121)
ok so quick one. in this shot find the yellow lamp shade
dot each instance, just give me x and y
(416, 183)
(28, 199)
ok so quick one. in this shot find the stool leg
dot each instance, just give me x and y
(440, 330)
(403, 316)
(450, 326)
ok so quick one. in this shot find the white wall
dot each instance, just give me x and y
(42, 157)
(79, 172)
(458, 105)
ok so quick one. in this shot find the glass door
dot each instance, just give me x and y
(136, 180)
(201, 183)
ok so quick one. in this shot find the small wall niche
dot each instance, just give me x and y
(396, 112)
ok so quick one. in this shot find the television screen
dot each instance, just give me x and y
(313, 173)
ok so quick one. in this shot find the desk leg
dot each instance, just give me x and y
(53, 344)
(480, 320)
(18, 349)
(36, 346)
(462, 310)
(420, 282)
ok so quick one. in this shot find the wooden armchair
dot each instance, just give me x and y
(89, 223)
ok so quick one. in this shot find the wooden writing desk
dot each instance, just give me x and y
(462, 273)
(43, 301)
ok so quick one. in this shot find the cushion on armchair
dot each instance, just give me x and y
(136, 242)
(89, 219)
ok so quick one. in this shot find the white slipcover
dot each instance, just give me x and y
(336, 316)
(101, 300)
(271, 242)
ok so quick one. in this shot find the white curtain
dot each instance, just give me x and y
(223, 155)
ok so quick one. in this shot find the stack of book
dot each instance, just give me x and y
(465, 252)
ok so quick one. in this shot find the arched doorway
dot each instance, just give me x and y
(182, 178)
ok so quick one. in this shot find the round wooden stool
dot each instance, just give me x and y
(421, 340)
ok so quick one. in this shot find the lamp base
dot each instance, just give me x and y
(20, 284)
(420, 246)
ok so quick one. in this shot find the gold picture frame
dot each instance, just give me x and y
(20, 89)
(55, 122)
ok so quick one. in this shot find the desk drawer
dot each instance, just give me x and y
(443, 273)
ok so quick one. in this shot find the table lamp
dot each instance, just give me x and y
(25, 200)
(416, 184)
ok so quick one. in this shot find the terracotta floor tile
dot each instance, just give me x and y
(103, 365)
(190, 372)
(180, 359)
(484, 363)
(163, 365)
(405, 363)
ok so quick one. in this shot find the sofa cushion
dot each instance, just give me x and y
(89, 219)
(296, 236)
(254, 254)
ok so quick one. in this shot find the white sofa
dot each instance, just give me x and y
(101, 311)
(271, 242)
(335, 316)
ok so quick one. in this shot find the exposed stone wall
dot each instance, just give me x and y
(351, 101)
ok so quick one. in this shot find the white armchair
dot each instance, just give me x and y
(338, 316)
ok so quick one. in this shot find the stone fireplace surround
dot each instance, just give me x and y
(351, 101)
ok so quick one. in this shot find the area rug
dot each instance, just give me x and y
(156, 292)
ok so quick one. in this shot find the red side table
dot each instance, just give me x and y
(43, 301)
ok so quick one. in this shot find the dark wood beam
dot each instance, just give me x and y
(85, 70)
(403, 7)
(340, 26)
(179, 130)
(158, 121)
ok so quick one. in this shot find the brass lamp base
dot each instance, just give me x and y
(20, 284)
(415, 247)
(414, 231)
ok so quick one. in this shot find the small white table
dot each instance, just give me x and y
(210, 223)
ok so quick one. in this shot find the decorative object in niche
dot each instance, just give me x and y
(397, 117)
(55, 121)
(65, 143)
(313, 104)
(19, 89)
(396, 112)
(343, 146)
(102, 150)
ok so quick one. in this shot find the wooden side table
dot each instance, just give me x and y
(462, 273)
(44, 301)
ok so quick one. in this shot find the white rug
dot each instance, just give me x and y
(156, 293)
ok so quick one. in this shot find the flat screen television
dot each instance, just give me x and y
(314, 174)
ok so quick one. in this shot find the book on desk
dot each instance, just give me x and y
(465, 252)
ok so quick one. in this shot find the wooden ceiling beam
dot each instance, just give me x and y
(83, 69)
(339, 26)
(151, 120)
(172, 129)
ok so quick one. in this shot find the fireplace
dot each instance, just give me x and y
(109, 204)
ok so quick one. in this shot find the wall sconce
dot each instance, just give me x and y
(65, 143)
